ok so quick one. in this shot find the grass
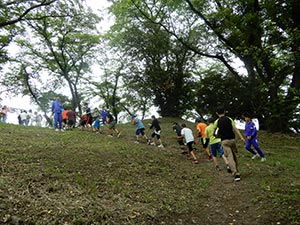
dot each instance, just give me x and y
(79, 177)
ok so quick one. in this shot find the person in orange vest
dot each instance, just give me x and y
(201, 126)
(64, 115)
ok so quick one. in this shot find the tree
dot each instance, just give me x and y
(264, 35)
(107, 89)
(13, 13)
(61, 50)
(217, 87)
(162, 63)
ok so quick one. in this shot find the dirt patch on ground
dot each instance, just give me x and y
(230, 202)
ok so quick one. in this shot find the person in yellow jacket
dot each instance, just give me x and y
(215, 145)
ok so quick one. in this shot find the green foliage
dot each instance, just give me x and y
(61, 51)
(261, 35)
(212, 91)
(162, 64)
(11, 15)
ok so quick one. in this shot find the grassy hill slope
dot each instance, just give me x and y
(79, 177)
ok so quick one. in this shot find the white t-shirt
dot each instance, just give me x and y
(188, 134)
(23, 115)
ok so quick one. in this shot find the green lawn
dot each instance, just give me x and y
(79, 177)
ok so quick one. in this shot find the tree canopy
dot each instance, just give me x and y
(264, 35)
(176, 55)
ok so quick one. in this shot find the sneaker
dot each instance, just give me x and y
(149, 142)
(152, 143)
(218, 168)
(160, 146)
(195, 161)
(119, 134)
(237, 178)
(209, 158)
(263, 159)
(255, 156)
(136, 142)
(56, 129)
(228, 169)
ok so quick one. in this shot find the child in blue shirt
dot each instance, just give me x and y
(96, 119)
(251, 138)
(140, 128)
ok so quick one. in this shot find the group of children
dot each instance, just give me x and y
(65, 118)
(216, 137)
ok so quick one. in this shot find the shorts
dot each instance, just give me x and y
(156, 133)
(97, 124)
(216, 147)
(203, 141)
(112, 125)
(190, 146)
(90, 120)
(71, 122)
(140, 131)
(84, 120)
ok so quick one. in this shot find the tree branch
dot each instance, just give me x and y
(21, 17)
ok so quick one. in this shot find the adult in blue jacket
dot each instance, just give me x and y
(57, 113)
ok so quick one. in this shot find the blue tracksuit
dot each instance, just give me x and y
(250, 130)
(57, 113)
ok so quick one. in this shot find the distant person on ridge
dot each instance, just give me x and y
(4, 112)
(112, 124)
(104, 115)
(71, 115)
(57, 114)
(96, 118)
(88, 113)
(65, 117)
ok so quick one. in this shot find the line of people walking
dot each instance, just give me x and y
(218, 137)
